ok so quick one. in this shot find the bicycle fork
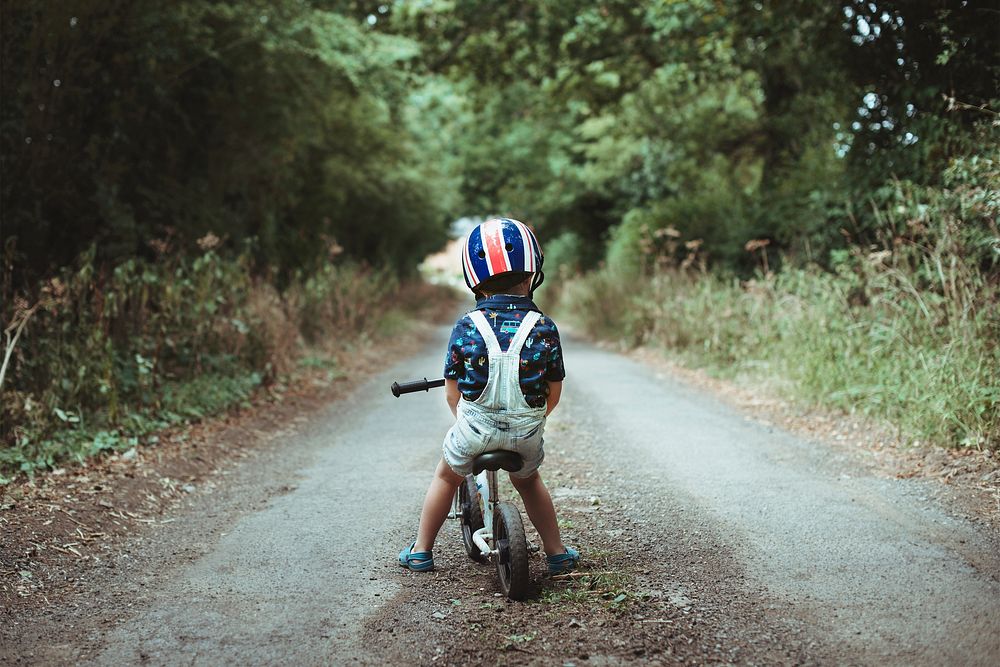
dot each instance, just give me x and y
(486, 483)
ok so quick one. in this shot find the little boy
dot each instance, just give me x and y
(503, 366)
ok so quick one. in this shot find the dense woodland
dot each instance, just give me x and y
(189, 189)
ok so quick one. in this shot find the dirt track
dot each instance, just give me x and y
(711, 538)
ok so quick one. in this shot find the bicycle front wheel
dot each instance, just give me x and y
(512, 548)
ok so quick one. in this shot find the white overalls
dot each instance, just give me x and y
(500, 418)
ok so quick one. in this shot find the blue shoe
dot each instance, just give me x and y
(564, 562)
(418, 561)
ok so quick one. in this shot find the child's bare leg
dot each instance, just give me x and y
(437, 504)
(538, 503)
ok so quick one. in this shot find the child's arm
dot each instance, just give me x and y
(452, 396)
(555, 391)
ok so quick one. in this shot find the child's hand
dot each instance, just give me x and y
(555, 391)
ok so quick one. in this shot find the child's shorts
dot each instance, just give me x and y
(476, 432)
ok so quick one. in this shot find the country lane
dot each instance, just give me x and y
(869, 569)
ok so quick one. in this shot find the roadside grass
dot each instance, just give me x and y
(907, 332)
(102, 360)
(604, 582)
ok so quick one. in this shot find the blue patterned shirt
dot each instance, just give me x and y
(541, 357)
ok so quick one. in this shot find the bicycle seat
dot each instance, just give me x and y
(509, 461)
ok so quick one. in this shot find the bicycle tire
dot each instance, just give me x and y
(512, 548)
(470, 516)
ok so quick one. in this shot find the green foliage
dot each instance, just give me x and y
(307, 124)
(277, 121)
(106, 358)
(908, 332)
(729, 121)
(229, 170)
(564, 254)
(611, 586)
(669, 139)
(338, 298)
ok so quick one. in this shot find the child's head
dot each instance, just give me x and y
(502, 256)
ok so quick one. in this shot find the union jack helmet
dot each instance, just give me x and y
(499, 246)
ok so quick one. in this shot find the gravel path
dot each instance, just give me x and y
(874, 572)
(292, 583)
(710, 538)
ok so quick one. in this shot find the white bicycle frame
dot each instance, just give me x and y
(486, 484)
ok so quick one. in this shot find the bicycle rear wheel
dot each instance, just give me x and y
(512, 547)
(470, 516)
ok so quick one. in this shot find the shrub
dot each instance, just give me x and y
(103, 357)
(908, 331)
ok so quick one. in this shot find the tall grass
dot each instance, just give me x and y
(102, 357)
(907, 331)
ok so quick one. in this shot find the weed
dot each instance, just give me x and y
(611, 588)
(568, 594)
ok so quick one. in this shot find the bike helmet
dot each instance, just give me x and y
(501, 247)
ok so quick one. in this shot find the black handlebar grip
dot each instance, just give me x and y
(415, 385)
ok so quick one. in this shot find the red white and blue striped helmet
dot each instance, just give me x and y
(498, 246)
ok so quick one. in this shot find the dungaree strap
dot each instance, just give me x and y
(523, 332)
(486, 331)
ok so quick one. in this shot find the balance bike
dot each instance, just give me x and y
(478, 505)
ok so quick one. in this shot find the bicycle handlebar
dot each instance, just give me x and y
(415, 385)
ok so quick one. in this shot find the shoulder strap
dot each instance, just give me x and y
(524, 331)
(486, 331)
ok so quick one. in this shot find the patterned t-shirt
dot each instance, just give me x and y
(541, 357)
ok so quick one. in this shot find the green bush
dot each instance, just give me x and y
(908, 332)
(284, 121)
(104, 358)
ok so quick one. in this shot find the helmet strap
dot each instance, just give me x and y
(536, 283)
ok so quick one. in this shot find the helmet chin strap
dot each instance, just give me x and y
(536, 283)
